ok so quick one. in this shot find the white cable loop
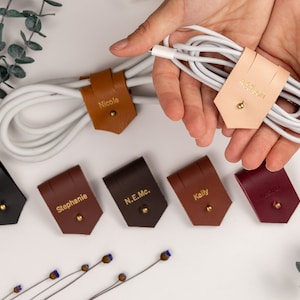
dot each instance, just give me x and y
(278, 119)
(30, 142)
(47, 140)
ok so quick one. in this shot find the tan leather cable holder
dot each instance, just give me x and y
(250, 90)
(108, 101)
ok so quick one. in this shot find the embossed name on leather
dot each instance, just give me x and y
(71, 201)
(201, 192)
(271, 194)
(250, 90)
(136, 194)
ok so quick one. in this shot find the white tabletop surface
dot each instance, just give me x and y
(241, 259)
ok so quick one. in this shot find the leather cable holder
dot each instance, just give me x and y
(271, 194)
(250, 90)
(108, 101)
(201, 192)
(136, 194)
(71, 201)
(12, 200)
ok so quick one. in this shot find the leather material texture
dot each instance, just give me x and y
(108, 101)
(201, 192)
(271, 194)
(250, 90)
(12, 200)
(137, 194)
(71, 201)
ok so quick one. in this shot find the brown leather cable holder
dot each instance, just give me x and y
(71, 201)
(108, 101)
(201, 192)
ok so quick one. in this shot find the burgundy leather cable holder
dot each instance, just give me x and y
(71, 201)
(12, 200)
(201, 192)
(271, 194)
(108, 101)
(136, 194)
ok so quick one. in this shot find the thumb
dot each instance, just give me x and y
(162, 22)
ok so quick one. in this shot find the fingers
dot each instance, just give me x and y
(165, 20)
(252, 147)
(166, 82)
(280, 154)
(193, 118)
(211, 118)
(183, 97)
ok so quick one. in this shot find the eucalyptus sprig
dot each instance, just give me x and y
(14, 55)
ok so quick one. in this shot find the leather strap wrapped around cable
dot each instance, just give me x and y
(108, 101)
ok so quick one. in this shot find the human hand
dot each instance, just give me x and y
(279, 44)
(181, 96)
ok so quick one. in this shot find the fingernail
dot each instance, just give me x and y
(119, 45)
(246, 168)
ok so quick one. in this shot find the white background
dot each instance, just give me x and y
(241, 259)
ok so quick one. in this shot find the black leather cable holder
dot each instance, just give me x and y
(12, 200)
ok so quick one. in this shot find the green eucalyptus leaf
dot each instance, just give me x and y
(34, 46)
(28, 13)
(298, 266)
(41, 34)
(24, 60)
(12, 13)
(4, 74)
(2, 11)
(17, 71)
(2, 45)
(33, 23)
(23, 36)
(16, 51)
(53, 3)
(3, 94)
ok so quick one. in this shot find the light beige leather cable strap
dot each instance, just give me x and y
(108, 101)
(250, 90)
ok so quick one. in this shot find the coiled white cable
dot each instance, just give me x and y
(28, 142)
(202, 69)
(35, 143)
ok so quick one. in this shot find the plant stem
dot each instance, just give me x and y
(32, 33)
(7, 7)
(42, 7)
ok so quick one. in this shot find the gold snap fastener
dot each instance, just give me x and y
(209, 208)
(113, 113)
(2, 207)
(240, 105)
(144, 210)
(277, 205)
(79, 218)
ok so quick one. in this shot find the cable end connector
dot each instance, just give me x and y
(163, 51)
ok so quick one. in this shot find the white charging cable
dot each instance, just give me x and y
(31, 142)
(204, 69)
